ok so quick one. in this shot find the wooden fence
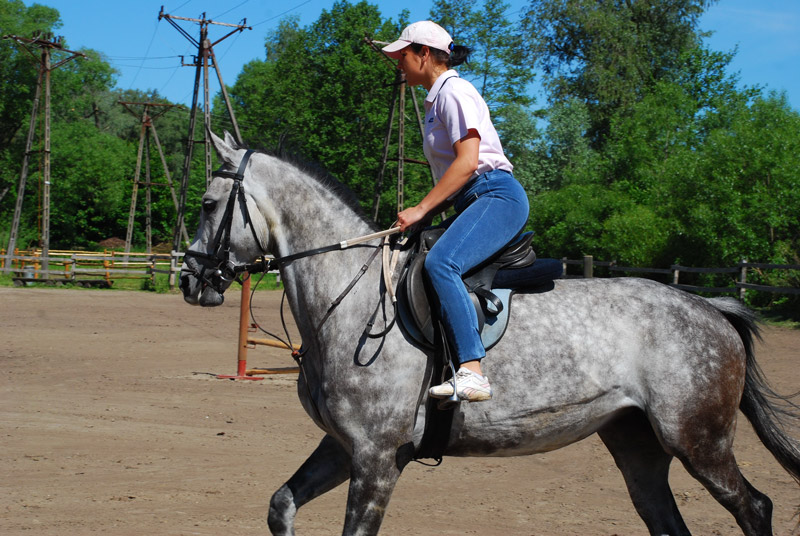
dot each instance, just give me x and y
(739, 287)
(101, 269)
(88, 269)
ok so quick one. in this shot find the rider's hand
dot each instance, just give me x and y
(411, 216)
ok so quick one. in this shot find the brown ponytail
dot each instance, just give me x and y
(458, 54)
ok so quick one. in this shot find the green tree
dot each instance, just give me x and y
(93, 143)
(525, 146)
(18, 70)
(697, 171)
(18, 73)
(497, 65)
(609, 54)
(91, 185)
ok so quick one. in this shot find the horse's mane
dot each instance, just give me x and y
(323, 177)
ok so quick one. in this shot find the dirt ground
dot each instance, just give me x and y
(112, 425)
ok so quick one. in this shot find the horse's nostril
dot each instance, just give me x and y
(184, 283)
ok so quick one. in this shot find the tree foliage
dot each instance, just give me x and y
(322, 93)
(696, 172)
(609, 54)
(17, 72)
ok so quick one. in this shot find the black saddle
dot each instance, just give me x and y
(490, 285)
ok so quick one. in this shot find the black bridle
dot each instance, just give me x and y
(224, 271)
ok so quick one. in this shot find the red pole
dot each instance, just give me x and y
(244, 323)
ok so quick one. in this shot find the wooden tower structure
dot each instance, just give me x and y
(204, 59)
(47, 46)
(148, 132)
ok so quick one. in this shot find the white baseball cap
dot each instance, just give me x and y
(423, 32)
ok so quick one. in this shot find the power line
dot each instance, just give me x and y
(139, 67)
(230, 46)
(231, 9)
(180, 6)
(281, 14)
(147, 53)
(175, 70)
(133, 58)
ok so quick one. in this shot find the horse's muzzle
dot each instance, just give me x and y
(197, 291)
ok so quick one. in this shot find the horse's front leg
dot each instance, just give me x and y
(327, 467)
(373, 475)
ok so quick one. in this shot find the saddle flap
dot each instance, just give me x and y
(415, 295)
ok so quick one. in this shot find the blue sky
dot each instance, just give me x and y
(128, 31)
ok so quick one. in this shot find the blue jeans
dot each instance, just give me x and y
(491, 210)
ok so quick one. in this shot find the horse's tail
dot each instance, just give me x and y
(767, 411)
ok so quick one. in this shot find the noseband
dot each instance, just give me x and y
(225, 271)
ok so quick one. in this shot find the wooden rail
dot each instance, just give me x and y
(740, 285)
(102, 268)
(93, 269)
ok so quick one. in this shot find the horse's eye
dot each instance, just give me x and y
(209, 205)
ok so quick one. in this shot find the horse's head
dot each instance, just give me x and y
(232, 231)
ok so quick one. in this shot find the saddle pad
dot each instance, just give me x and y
(493, 328)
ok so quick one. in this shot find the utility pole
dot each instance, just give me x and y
(205, 57)
(398, 104)
(47, 46)
(148, 129)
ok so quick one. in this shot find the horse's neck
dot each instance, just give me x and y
(308, 214)
(305, 215)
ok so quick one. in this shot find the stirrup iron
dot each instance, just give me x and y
(453, 400)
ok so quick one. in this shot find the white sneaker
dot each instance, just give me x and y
(469, 386)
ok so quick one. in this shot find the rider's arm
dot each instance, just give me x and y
(456, 176)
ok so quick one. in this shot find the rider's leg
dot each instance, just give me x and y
(492, 210)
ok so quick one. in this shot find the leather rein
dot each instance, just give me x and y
(225, 271)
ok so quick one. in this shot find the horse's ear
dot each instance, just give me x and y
(230, 140)
(226, 149)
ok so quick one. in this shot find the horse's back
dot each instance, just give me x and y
(576, 356)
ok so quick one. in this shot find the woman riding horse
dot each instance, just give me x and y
(466, 156)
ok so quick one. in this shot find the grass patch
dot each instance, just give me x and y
(784, 315)
(159, 285)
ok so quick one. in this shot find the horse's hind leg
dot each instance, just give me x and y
(645, 467)
(701, 437)
(712, 463)
(327, 467)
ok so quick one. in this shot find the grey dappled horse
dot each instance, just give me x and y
(656, 372)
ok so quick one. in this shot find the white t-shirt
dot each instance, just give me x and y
(452, 108)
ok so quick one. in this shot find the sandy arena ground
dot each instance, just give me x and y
(111, 425)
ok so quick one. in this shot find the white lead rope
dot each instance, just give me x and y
(389, 266)
(344, 244)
